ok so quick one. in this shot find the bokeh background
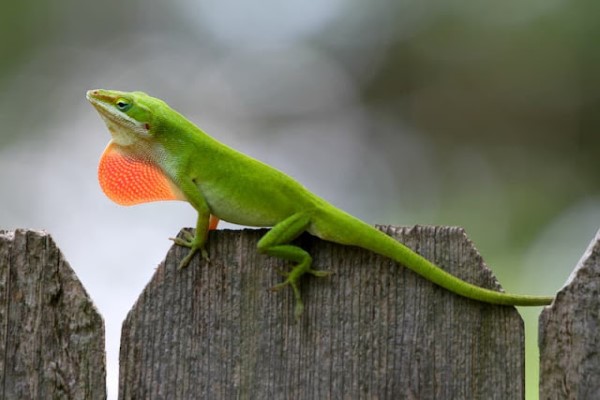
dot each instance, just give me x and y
(447, 112)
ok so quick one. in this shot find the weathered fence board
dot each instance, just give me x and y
(372, 330)
(51, 336)
(570, 334)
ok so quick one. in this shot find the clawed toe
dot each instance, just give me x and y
(181, 242)
(292, 279)
(281, 285)
(319, 274)
(190, 241)
(186, 241)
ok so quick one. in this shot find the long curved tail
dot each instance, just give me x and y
(352, 231)
(435, 274)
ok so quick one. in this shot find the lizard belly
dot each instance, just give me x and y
(246, 212)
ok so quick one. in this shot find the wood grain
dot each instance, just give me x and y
(51, 336)
(373, 330)
(570, 334)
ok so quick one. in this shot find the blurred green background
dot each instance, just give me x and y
(461, 112)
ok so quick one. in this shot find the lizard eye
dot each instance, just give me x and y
(123, 105)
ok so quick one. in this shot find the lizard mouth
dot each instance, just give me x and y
(121, 126)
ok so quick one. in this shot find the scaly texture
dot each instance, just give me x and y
(128, 181)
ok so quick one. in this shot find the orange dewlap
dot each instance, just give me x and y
(127, 180)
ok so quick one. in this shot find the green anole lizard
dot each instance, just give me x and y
(157, 154)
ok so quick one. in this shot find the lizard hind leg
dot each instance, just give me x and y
(276, 243)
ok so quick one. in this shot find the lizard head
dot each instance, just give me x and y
(128, 115)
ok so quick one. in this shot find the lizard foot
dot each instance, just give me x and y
(191, 241)
(293, 279)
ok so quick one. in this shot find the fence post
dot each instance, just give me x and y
(372, 330)
(570, 334)
(51, 336)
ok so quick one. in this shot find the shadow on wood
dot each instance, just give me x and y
(372, 330)
(51, 336)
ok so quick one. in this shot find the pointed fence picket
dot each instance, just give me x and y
(214, 330)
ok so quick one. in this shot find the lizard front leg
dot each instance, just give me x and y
(197, 241)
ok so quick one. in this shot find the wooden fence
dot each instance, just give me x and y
(372, 330)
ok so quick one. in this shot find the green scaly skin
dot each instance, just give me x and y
(216, 179)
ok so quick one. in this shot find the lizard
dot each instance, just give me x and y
(157, 154)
